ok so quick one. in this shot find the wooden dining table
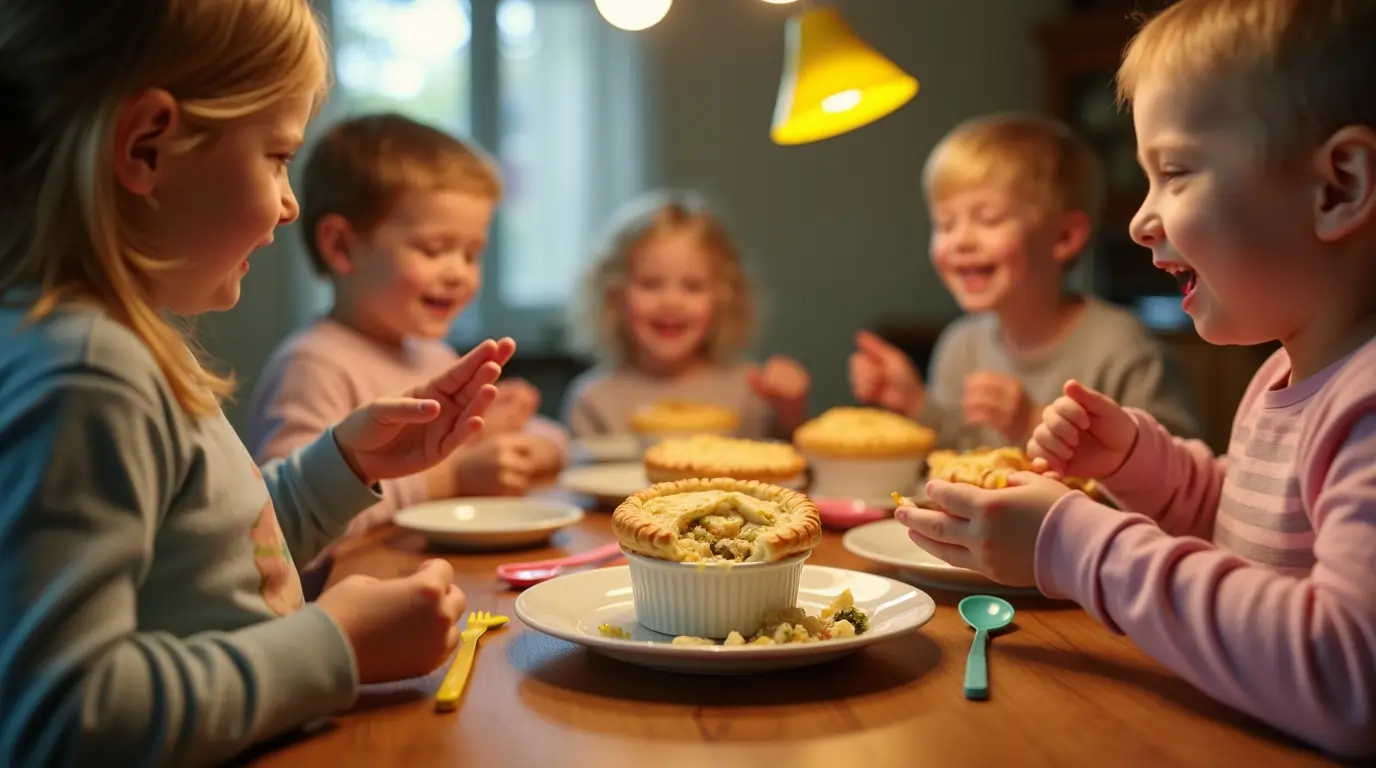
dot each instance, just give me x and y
(1064, 691)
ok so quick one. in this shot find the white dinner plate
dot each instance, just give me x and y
(887, 542)
(489, 523)
(605, 448)
(609, 484)
(572, 607)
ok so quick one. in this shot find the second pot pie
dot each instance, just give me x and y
(848, 432)
(716, 456)
(717, 520)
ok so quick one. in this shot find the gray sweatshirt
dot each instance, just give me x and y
(150, 609)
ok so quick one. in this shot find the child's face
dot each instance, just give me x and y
(986, 243)
(669, 299)
(421, 266)
(219, 202)
(1234, 230)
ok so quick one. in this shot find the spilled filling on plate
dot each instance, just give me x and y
(837, 621)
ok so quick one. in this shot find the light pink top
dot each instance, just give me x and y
(1252, 575)
(320, 374)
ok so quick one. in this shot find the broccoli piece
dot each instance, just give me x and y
(856, 617)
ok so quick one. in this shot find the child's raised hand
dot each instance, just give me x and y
(1000, 402)
(1083, 434)
(783, 382)
(400, 436)
(517, 400)
(991, 532)
(399, 628)
(500, 465)
(880, 374)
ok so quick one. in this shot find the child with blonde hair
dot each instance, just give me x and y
(1014, 200)
(395, 214)
(667, 309)
(1248, 574)
(151, 612)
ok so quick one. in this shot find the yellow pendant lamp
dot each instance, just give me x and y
(833, 82)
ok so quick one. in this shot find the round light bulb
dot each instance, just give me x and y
(633, 15)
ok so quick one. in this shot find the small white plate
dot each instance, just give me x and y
(607, 483)
(489, 523)
(603, 448)
(572, 607)
(887, 542)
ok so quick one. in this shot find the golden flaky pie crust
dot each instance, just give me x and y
(679, 458)
(798, 528)
(990, 468)
(850, 432)
(684, 416)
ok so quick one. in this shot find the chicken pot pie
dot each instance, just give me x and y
(848, 432)
(717, 520)
(715, 456)
(990, 468)
(684, 417)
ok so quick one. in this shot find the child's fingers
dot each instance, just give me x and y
(1093, 402)
(864, 379)
(948, 553)
(1050, 444)
(1063, 429)
(1071, 411)
(463, 431)
(1043, 460)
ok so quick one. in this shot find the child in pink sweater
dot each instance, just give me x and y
(396, 215)
(1252, 574)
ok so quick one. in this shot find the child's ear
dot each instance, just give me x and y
(144, 129)
(1346, 196)
(1071, 236)
(335, 242)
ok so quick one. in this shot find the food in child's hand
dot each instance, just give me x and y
(838, 621)
(990, 468)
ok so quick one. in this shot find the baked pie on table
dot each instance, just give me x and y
(991, 467)
(709, 556)
(863, 452)
(684, 417)
(680, 458)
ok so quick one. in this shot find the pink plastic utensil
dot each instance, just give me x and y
(848, 513)
(528, 574)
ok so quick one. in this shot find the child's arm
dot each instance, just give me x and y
(297, 402)
(1297, 653)
(93, 466)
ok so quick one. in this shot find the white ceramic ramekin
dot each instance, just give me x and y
(712, 599)
(857, 477)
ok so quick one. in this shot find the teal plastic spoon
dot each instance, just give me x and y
(986, 614)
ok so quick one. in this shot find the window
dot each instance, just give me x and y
(547, 86)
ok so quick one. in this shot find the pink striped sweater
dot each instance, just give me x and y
(1253, 575)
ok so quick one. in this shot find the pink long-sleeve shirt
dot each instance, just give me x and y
(1251, 575)
(325, 371)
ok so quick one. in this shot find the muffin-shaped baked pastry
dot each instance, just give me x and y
(680, 458)
(864, 432)
(863, 452)
(684, 417)
(717, 519)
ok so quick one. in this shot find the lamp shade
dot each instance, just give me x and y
(833, 82)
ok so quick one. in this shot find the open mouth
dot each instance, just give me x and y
(439, 304)
(1185, 277)
(669, 329)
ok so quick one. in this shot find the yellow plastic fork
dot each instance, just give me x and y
(451, 690)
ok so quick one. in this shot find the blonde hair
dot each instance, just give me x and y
(1305, 68)
(599, 313)
(69, 67)
(363, 165)
(1034, 156)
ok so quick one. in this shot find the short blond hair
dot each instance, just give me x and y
(1035, 156)
(67, 69)
(599, 317)
(1305, 68)
(363, 165)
